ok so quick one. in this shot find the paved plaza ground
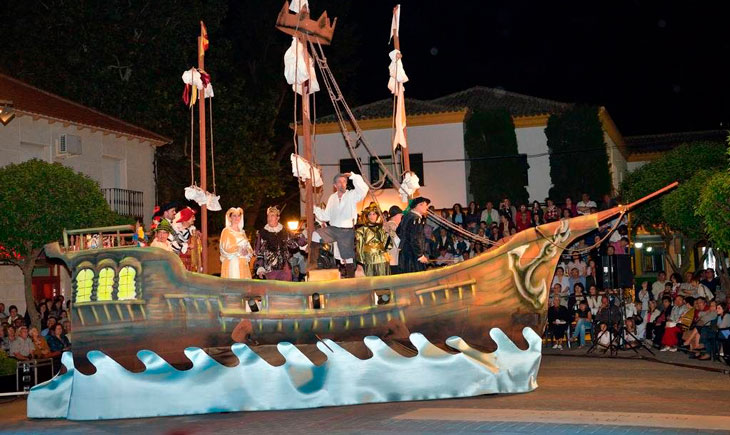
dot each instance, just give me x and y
(575, 394)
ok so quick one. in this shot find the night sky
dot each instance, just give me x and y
(658, 67)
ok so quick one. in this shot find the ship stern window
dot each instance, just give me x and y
(106, 284)
(253, 304)
(84, 285)
(316, 301)
(127, 283)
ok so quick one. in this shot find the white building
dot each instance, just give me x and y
(436, 142)
(119, 155)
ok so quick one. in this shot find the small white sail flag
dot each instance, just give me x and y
(295, 68)
(395, 84)
(409, 186)
(301, 168)
(395, 24)
(297, 5)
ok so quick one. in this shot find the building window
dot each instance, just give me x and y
(127, 283)
(376, 172)
(106, 284)
(84, 285)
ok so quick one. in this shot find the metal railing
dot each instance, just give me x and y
(125, 202)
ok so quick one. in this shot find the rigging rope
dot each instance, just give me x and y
(212, 148)
(192, 147)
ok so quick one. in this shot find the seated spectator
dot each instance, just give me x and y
(593, 274)
(577, 297)
(51, 323)
(40, 346)
(507, 209)
(673, 329)
(558, 321)
(523, 220)
(639, 321)
(676, 280)
(607, 203)
(297, 275)
(13, 316)
(537, 220)
(697, 289)
(575, 278)
(22, 347)
(489, 214)
(536, 210)
(577, 263)
(609, 314)
(604, 337)
(445, 257)
(457, 216)
(462, 249)
(572, 209)
(704, 316)
(658, 286)
(594, 299)
(583, 319)
(3, 314)
(57, 341)
(566, 214)
(561, 279)
(661, 321)
(723, 333)
(444, 241)
(505, 225)
(8, 337)
(552, 212)
(650, 320)
(631, 339)
(709, 280)
(585, 205)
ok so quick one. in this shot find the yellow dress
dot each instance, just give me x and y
(371, 246)
(235, 252)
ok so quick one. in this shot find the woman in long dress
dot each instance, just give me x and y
(235, 248)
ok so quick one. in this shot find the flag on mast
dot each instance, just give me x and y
(204, 43)
(395, 84)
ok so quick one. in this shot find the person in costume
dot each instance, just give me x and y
(413, 240)
(184, 240)
(161, 236)
(372, 243)
(273, 243)
(235, 248)
(340, 213)
(391, 227)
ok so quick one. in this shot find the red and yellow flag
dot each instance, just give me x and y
(203, 39)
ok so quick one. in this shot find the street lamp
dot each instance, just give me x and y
(293, 225)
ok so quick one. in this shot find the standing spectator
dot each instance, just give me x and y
(570, 206)
(644, 296)
(22, 347)
(658, 286)
(507, 209)
(13, 310)
(40, 346)
(607, 203)
(676, 280)
(552, 212)
(489, 214)
(698, 289)
(57, 341)
(593, 274)
(650, 319)
(3, 314)
(709, 280)
(51, 323)
(536, 209)
(473, 215)
(8, 338)
(457, 216)
(585, 205)
(524, 218)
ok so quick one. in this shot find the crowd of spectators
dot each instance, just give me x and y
(24, 342)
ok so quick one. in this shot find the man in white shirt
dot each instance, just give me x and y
(340, 214)
(489, 214)
(658, 287)
(584, 206)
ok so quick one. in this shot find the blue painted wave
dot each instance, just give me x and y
(253, 385)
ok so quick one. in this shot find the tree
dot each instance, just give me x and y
(38, 200)
(578, 159)
(497, 170)
(673, 215)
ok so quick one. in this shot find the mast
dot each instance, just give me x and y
(396, 44)
(203, 157)
(306, 133)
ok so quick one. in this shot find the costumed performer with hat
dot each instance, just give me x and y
(185, 238)
(162, 233)
(235, 248)
(341, 214)
(372, 243)
(395, 215)
(412, 238)
(272, 248)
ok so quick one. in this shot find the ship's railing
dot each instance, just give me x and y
(98, 238)
(455, 289)
(110, 312)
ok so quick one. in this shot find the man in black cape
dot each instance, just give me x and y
(413, 241)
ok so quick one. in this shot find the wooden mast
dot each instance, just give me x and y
(396, 44)
(306, 133)
(203, 157)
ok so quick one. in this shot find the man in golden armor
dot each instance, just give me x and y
(372, 243)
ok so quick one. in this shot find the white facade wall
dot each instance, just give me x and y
(113, 161)
(445, 182)
(533, 142)
(617, 162)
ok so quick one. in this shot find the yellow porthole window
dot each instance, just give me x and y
(84, 285)
(106, 284)
(127, 283)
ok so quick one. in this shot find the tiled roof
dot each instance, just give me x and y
(31, 100)
(652, 143)
(476, 98)
(483, 98)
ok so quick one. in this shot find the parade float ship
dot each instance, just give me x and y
(151, 338)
